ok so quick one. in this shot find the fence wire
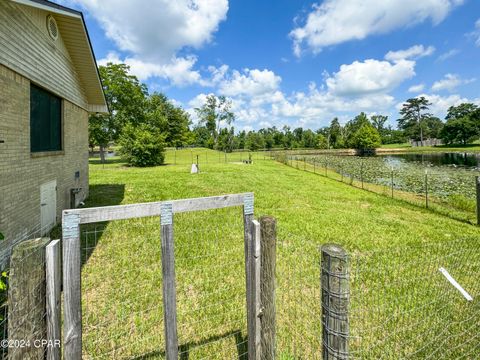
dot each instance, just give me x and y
(403, 307)
(122, 287)
(22, 297)
(449, 191)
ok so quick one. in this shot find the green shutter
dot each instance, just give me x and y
(45, 120)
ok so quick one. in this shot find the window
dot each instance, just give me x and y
(45, 121)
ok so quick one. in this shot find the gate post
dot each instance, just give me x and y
(268, 228)
(335, 298)
(249, 238)
(72, 293)
(169, 290)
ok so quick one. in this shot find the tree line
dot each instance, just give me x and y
(143, 124)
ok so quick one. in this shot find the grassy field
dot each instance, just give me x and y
(396, 248)
(475, 147)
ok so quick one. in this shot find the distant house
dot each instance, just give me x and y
(49, 83)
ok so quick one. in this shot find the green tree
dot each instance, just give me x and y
(254, 141)
(366, 137)
(215, 112)
(459, 130)
(321, 142)
(171, 120)
(125, 97)
(414, 115)
(142, 145)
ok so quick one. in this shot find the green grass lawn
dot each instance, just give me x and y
(400, 304)
(475, 147)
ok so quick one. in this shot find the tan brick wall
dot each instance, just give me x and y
(21, 174)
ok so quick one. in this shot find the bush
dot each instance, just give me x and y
(366, 137)
(142, 146)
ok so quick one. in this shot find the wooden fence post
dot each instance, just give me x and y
(248, 246)
(169, 290)
(477, 181)
(53, 287)
(26, 298)
(255, 308)
(268, 230)
(335, 298)
(72, 293)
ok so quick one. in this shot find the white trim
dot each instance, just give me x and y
(51, 9)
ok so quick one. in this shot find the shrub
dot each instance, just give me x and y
(142, 145)
(366, 137)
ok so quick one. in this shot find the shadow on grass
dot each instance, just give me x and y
(90, 234)
(184, 350)
(100, 195)
(95, 161)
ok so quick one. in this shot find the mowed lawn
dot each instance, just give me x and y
(123, 314)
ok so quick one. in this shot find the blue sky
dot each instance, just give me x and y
(295, 62)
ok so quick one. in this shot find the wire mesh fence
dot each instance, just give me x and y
(400, 303)
(123, 315)
(449, 191)
(23, 313)
(203, 156)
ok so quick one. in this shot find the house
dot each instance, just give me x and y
(49, 83)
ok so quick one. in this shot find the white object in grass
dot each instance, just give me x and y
(452, 281)
(194, 169)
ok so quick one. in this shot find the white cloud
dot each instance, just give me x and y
(179, 71)
(370, 76)
(476, 33)
(450, 82)
(251, 82)
(157, 29)
(440, 104)
(337, 21)
(416, 88)
(152, 32)
(414, 52)
(448, 54)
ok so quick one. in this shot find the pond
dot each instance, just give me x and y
(448, 177)
(463, 160)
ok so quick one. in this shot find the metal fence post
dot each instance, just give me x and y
(392, 183)
(335, 299)
(426, 189)
(169, 288)
(268, 229)
(361, 172)
(326, 164)
(477, 181)
(314, 165)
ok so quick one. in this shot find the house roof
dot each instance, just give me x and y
(75, 36)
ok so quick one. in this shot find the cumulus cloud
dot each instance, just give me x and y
(157, 29)
(450, 82)
(416, 88)
(414, 52)
(250, 82)
(337, 21)
(370, 76)
(179, 71)
(440, 104)
(152, 33)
